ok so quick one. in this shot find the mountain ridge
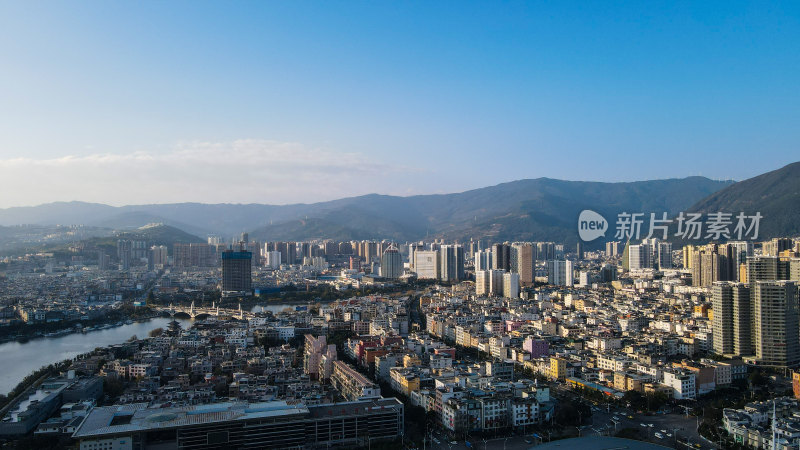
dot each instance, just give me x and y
(774, 194)
(538, 209)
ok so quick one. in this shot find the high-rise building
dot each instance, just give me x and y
(711, 263)
(608, 273)
(331, 249)
(775, 323)
(305, 249)
(741, 250)
(545, 251)
(482, 282)
(139, 251)
(639, 257)
(775, 246)
(742, 319)
(159, 256)
(345, 248)
(426, 264)
(193, 255)
(103, 260)
(489, 282)
(612, 249)
(272, 259)
(474, 246)
(451, 263)
(124, 253)
(483, 260)
(794, 269)
(762, 268)
(412, 249)
(391, 263)
(731, 325)
(369, 251)
(288, 252)
(663, 255)
(236, 270)
(688, 255)
(511, 285)
(559, 272)
(579, 251)
(523, 262)
(501, 257)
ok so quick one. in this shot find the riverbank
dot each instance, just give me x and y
(69, 328)
(22, 358)
(24, 332)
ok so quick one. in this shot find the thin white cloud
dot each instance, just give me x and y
(241, 171)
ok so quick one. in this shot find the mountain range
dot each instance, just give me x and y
(775, 194)
(533, 209)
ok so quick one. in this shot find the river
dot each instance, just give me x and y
(20, 359)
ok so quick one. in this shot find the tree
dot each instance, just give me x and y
(221, 389)
(156, 332)
(572, 413)
(113, 387)
(758, 379)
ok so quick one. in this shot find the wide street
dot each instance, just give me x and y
(676, 430)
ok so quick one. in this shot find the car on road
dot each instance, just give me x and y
(643, 424)
(659, 435)
(630, 417)
(453, 442)
(616, 418)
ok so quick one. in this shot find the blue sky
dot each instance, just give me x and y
(276, 102)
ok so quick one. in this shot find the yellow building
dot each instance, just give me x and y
(404, 380)
(624, 381)
(688, 256)
(558, 368)
(411, 361)
(702, 310)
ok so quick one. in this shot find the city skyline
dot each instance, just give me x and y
(284, 103)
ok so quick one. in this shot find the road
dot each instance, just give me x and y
(673, 427)
(679, 431)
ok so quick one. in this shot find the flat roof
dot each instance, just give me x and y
(137, 417)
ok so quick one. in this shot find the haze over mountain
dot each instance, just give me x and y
(534, 209)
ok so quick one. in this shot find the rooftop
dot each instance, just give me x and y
(137, 417)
